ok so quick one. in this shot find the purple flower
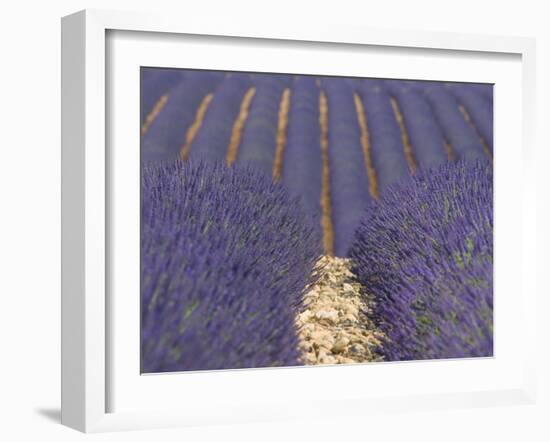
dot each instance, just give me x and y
(425, 254)
(225, 257)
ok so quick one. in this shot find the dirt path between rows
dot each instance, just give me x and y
(334, 328)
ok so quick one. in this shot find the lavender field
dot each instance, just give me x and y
(298, 220)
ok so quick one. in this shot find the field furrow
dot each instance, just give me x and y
(326, 205)
(282, 127)
(194, 128)
(238, 126)
(365, 144)
(334, 326)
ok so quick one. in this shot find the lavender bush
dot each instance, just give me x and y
(225, 256)
(425, 254)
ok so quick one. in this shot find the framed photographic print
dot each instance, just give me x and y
(261, 223)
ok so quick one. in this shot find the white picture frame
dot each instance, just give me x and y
(87, 203)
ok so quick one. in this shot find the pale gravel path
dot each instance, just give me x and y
(333, 326)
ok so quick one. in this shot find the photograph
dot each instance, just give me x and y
(302, 220)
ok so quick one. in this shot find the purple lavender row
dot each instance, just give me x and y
(459, 133)
(213, 138)
(156, 82)
(484, 90)
(426, 138)
(478, 107)
(225, 257)
(425, 253)
(261, 79)
(302, 165)
(259, 138)
(354, 83)
(476, 98)
(386, 146)
(166, 135)
(349, 185)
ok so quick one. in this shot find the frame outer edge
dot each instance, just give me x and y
(292, 30)
(529, 210)
(83, 374)
(94, 210)
(73, 371)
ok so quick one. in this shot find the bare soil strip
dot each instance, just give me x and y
(326, 219)
(284, 108)
(365, 143)
(407, 148)
(449, 149)
(484, 144)
(334, 328)
(238, 126)
(152, 116)
(194, 128)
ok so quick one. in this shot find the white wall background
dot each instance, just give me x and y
(30, 217)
